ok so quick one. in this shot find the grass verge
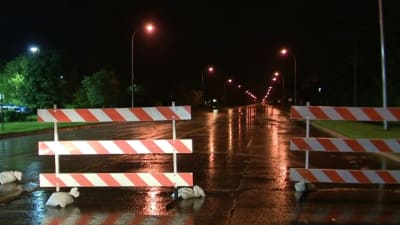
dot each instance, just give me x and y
(353, 129)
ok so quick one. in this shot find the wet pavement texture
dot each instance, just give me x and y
(240, 158)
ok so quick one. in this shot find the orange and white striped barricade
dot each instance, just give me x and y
(104, 147)
(361, 145)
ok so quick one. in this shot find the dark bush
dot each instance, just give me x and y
(11, 116)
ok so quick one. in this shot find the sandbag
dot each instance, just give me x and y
(7, 177)
(63, 199)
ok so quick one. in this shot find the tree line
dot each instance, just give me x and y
(41, 80)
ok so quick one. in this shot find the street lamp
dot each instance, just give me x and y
(283, 94)
(149, 28)
(284, 51)
(210, 69)
(34, 49)
(227, 81)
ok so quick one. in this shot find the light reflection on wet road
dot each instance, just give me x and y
(240, 159)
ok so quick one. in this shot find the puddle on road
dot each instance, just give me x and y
(324, 214)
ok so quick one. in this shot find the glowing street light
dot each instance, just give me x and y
(228, 81)
(285, 51)
(34, 49)
(210, 70)
(149, 28)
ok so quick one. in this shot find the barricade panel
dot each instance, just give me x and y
(345, 113)
(161, 113)
(115, 179)
(345, 176)
(345, 145)
(105, 147)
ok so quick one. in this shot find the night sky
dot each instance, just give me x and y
(241, 40)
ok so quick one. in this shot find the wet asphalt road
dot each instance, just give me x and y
(240, 158)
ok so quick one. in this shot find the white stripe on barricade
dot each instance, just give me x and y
(115, 179)
(115, 147)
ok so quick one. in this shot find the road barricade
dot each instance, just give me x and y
(360, 145)
(111, 147)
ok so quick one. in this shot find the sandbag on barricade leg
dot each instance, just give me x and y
(63, 199)
(7, 177)
(302, 189)
(183, 193)
(187, 193)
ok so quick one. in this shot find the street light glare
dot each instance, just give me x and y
(284, 51)
(150, 28)
(33, 49)
(210, 69)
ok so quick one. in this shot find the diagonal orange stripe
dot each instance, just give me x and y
(334, 176)
(328, 144)
(372, 114)
(125, 147)
(354, 145)
(44, 149)
(168, 113)
(179, 146)
(307, 175)
(51, 177)
(108, 179)
(395, 112)
(386, 177)
(59, 115)
(99, 148)
(319, 113)
(86, 115)
(345, 113)
(114, 115)
(301, 143)
(162, 179)
(82, 180)
(381, 145)
(294, 114)
(135, 179)
(141, 114)
(360, 176)
(149, 144)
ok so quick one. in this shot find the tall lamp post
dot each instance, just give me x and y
(284, 51)
(383, 65)
(283, 94)
(210, 69)
(228, 81)
(149, 28)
